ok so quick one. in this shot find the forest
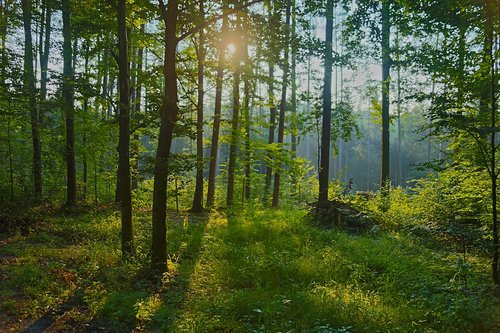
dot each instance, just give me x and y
(318, 166)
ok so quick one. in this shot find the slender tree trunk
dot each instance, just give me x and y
(400, 151)
(327, 107)
(198, 193)
(111, 90)
(234, 123)
(386, 79)
(105, 79)
(246, 106)
(168, 115)
(137, 111)
(234, 139)
(293, 97)
(44, 50)
(281, 121)
(272, 126)
(493, 149)
(9, 152)
(217, 115)
(86, 110)
(124, 132)
(68, 94)
(29, 87)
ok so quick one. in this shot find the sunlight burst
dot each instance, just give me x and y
(231, 48)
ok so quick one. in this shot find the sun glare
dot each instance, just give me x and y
(231, 48)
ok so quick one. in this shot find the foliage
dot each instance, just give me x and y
(257, 270)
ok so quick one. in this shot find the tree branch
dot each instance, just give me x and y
(214, 19)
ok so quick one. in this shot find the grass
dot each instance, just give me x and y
(251, 271)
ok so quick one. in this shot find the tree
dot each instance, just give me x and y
(168, 118)
(212, 170)
(281, 119)
(386, 67)
(272, 106)
(233, 146)
(124, 136)
(198, 194)
(69, 108)
(29, 87)
(327, 106)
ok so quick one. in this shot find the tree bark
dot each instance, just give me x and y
(293, 97)
(124, 132)
(217, 115)
(168, 118)
(68, 94)
(272, 126)
(281, 120)
(86, 111)
(29, 87)
(233, 146)
(386, 79)
(44, 50)
(246, 108)
(198, 193)
(137, 111)
(234, 139)
(493, 148)
(327, 107)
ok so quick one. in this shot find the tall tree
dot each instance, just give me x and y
(272, 106)
(212, 170)
(168, 118)
(124, 133)
(327, 106)
(44, 48)
(137, 110)
(247, 69)
(272, 126)
(386, 80)
(198, 193)
(492, 41)
(69, 107)
(281, 119)
(233, 146)
(29, 87)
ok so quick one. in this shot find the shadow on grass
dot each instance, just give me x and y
(268, 273)
(156, 304)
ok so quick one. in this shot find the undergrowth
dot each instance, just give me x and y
(254, 270)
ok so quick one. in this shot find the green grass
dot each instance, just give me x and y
(254, 271)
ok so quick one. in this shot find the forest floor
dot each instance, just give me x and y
(253, 271)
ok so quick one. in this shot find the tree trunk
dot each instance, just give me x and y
(281, 121)
(137, 111)
(29, 87)
(234, 121)
(9, 152)
(234, 139)
(198, 193)
(293, 97)
(272, 125)
(217, 115)
(86, 111)
(44, 50)
(68, 94)
(246, 106)
(168, 115)
(327, 107)
(400, 151)
(124, 132)
(493, 149)
(386, 79)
